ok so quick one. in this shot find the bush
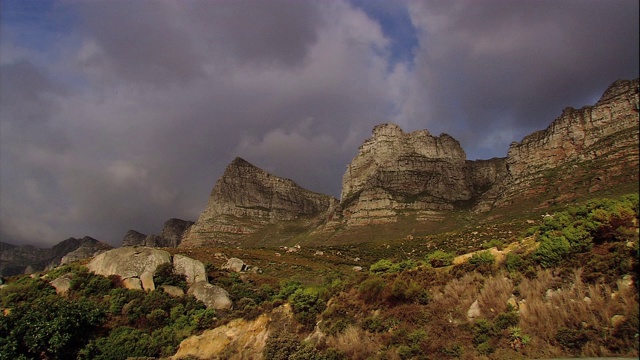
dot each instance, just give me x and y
(26, 290)
(496, 243)
(306, 305)
(482, 258)
(280, 346)
(165, 275)
(513, 262)
(49, 327)
(371, 289)
(440, 258)
(571, 340)
(552, 251)
(381, 266)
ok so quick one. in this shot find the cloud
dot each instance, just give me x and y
(515, 65)
(118, 115)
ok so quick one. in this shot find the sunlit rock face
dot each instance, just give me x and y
(396, 171)
(247, 198)
(589, 148)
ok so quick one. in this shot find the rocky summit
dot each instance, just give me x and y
(247, 198)
(424, 177)
(592, 147)
(396, 171)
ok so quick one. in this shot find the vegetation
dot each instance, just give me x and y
(566, 286)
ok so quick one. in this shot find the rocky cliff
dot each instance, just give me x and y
(247, 198)
(396, 171)
(583, 149)
(172, 233)
(424, 177)
(417, 173)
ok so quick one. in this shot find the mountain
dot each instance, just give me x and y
(247, 198)
(171, 236)
(16, 260)
(419, 177)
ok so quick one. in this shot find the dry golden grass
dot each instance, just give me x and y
(494, 295)
(356, 343)
(576, 306)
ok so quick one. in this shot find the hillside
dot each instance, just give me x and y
(427, 255)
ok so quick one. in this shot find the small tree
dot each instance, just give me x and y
(440, 258)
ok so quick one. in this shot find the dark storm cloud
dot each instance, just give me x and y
(25, 92)
(507, 67)
(160, 96)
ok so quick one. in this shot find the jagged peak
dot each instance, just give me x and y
(618, 88)
(238, 161)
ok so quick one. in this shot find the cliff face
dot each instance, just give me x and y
(397, 174)
(172, 233)
(593, 147)
(247, 198)
(396, 171)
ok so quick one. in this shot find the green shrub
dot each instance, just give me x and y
(440, 258)
(122, 343)
(496, 243)
(381, 266)
(306, 305)
(48, 327)
(24, 290)
(165, 275)
(371, 289)
(287, 288)
(280, 346)
(552, 251)
(402, 266)
(570, 339)
(513, 262)
(482, 258)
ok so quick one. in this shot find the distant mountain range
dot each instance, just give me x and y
(411, 177)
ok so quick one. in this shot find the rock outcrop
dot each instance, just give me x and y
(212, 296)
(239, 339)
(131, 263)
(593, 147)
(133, 238)
(417, 173)
(396, 171)
(247, 198)
(172, 233)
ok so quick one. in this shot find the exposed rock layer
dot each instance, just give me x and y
(171, 236)
(247, 198)
(395, 171)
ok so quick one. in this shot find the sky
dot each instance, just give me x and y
(119, 114)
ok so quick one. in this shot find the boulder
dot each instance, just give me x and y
(62, 284)
(132, 283)
(235, 264)
(192, 269)
(474, 311)
(130, 262)
(212, 296)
